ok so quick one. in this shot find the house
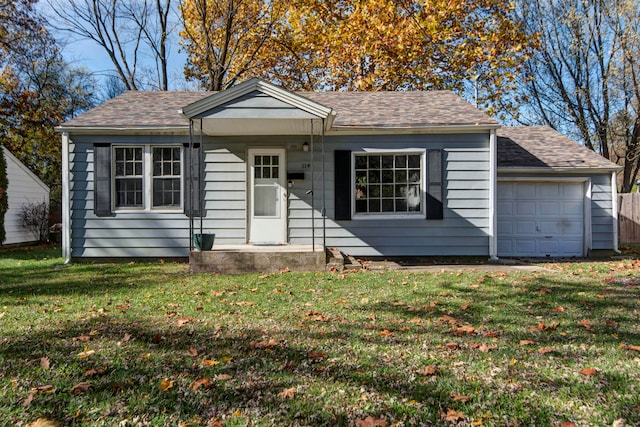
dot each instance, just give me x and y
(24, 187)
(369, 173)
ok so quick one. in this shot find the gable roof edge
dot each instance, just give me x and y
(255, 84)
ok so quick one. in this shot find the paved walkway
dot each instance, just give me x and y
(489, 267)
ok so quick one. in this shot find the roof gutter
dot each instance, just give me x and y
(426, 129)
(106, 130)
(557, 170)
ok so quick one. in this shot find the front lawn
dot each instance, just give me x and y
(149, 344)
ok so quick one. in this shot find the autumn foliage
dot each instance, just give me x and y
(365, 45)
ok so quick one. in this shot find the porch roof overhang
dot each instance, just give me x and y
(256, 107)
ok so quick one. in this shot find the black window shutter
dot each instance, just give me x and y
(435, 192)
(102, 179)
(192, 174)
(343, 184)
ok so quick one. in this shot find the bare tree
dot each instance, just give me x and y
(126, 30)
(583, 79)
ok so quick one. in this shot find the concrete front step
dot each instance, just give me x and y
(257, 260)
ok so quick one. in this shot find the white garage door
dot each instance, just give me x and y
(540, 219)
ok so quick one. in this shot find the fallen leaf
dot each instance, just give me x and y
(28, 400)
(184, 320)
(464, 306)
(631, 347)
(611, 324)
(44, 363)
(371, 422)
(465, 329)
(157, 338)
(544, 350)
(287, 393)
(483, 348)
(527, 342)
(566, 424)
(223, 377)
(44, 422)
(202, 382)
(94, 371)
(126, 337)
(86, 353)
(453, 416)
(264, 344)
(385, 333)
(315, 355)
(460, 398)
(559, 309)
(452, 346)
(166, 384)
(83, 338)
(427, 371)
(193, 352)
(43, 389)
(589, 371)
(447, 319)
(80, 388)
(214, 422)
(210, 362)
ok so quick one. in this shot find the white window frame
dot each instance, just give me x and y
(391, 215)
(147, 179)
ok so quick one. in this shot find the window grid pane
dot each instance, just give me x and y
(389, 183)
(128, 177)
(166, 177)
(266, 167)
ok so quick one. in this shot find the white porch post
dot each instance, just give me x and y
(66, 200)
(493, 218)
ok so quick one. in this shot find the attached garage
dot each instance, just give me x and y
(541, 219)
(554, 197)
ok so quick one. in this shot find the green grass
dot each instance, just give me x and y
(158, 346)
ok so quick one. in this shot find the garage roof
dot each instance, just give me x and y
(541, 147)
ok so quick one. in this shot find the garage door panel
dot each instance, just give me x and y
(575, 208)
(548, 246)
(548, 208)
(548, 191)
(540, 219)
(505, 207)
(505, 227)
(524, 247)
(525, 191)
(525, 208)
(525, 227)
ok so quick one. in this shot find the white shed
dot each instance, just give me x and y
(24, 187)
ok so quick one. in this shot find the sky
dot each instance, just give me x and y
(86, 53)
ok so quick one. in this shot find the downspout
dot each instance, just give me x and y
(324, 197)
(493, 218)
(614, 210)
(200, 175)
(313, 205)
(66, 200)
(190, 183)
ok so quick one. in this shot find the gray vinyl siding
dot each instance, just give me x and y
(463, 231)
(124, 234)
(602, 218)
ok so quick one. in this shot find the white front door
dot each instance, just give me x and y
(267, 196)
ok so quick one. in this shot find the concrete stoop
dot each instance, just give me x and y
(238, 262)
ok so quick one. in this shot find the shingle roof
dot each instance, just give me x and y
(544, 147)
(354, 109)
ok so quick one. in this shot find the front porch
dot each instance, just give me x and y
(238, 259)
